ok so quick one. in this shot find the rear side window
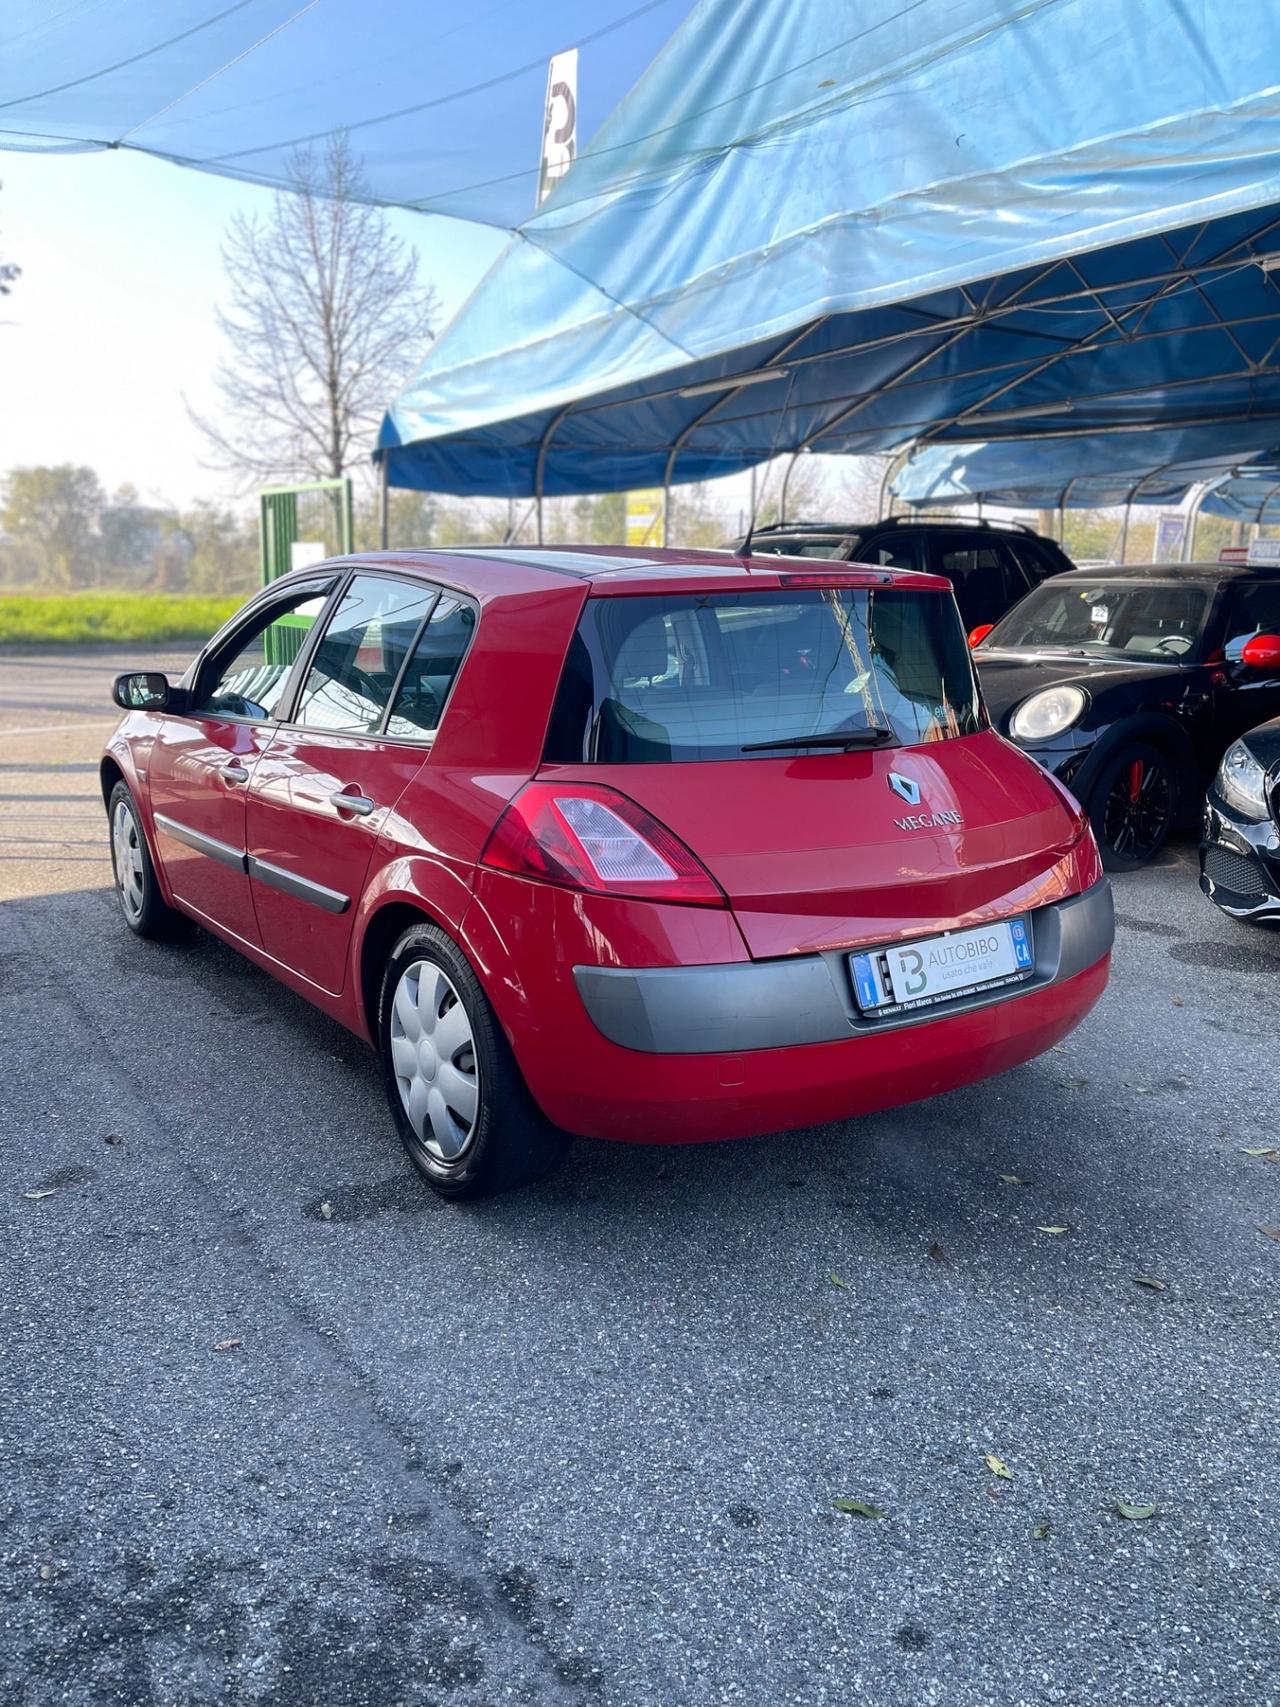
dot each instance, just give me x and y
(436, 660)
(668, 678)
(986, 578)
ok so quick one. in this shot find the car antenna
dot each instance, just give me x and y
(744, 549)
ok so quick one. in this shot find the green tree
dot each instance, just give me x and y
(53, 515)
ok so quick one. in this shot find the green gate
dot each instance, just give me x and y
(301, 525)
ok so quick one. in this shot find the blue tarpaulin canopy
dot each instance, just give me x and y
(1150, 465)
(443, 104)
(846, 228)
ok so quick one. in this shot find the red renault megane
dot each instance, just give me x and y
(638, 845)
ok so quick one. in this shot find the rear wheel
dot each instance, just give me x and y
(146, 912)
(461, 1107)
(1133, 806)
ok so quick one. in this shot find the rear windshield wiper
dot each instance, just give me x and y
(849, 738)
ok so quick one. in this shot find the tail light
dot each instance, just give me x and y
(592, 838)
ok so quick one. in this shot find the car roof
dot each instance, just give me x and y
(617, 568)
(1175, 572)
(995, 524)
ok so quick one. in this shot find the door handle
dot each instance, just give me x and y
(360, 804)
(234, 771)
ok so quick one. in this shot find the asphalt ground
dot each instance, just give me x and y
(581, 1445)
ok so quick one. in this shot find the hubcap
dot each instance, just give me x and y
(434, 1055)
(1138, 809)
(126, 856)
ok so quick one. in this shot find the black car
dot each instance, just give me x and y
(1240, 844)
(1128, 685)
(991, 565)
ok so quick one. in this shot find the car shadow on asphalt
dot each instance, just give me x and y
(977, 1179)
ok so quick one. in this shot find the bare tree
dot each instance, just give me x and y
(326, 318)
(8, 273)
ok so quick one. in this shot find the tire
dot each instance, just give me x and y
(459, 1102)
(1133, 805)
(145, 910)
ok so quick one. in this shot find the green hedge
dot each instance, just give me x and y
(68, 618)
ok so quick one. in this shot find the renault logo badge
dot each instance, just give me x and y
(905, 788)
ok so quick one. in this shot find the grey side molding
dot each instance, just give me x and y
(223, 852)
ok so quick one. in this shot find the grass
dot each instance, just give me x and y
(61, 619)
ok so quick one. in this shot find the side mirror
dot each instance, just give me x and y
(141, 690)
(979, 634)
(1261, 652)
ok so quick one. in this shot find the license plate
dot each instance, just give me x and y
(938, 968)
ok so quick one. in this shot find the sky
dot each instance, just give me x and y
(112, 323)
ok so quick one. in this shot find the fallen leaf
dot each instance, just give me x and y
(1041, 1532)
(1012, 1179)
(997, 1466)
(228, 1345)
(1267, 1150)
(1149, 1280)
(836, 1281)
(1271, 1232)
(1053, 1229)
(937, 1253)
(39, 1196)
(47, 1573)
(1135, 1513)
(112, 1138)
(1177, 1001)
(326, 1212)
(857, 1508)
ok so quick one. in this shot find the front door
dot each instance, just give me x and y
(326, 784)
(201, 762)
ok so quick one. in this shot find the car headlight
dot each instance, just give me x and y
(1048, 712)
(1242, 782)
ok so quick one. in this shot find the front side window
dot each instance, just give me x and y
(249, 676)
(680, 677)
(358, 661)
(1253, 608)
(1155, 621)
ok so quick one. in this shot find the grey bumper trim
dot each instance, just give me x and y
(301, 888)
(778, 1004)
(223, 852)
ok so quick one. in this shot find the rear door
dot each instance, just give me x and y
(201, 763)
(359, 732)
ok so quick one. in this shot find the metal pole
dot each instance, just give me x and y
(384, 504)
(538, 502)
(786, 481)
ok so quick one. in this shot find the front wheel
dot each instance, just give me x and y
(1133, 806)
(461, 1107)
(146, 912)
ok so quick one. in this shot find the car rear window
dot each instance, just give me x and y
(804, 545)
(666, 678)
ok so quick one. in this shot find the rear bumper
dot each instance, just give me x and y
(786, 1004)
(737, 1080)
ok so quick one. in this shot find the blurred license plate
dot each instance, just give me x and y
(915, 974)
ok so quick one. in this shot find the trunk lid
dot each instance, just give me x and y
(820, 851)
